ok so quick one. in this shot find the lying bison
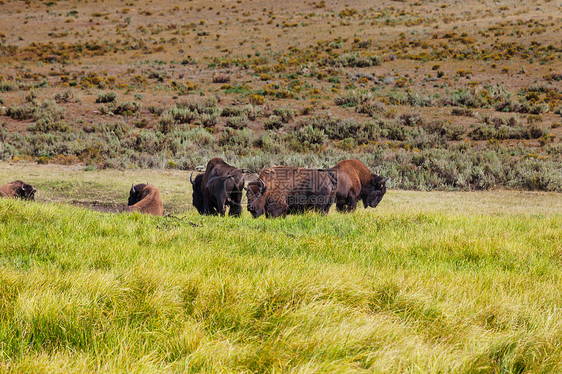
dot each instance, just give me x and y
(18, 189)
(355, 182)
(220, 186)
(281, 190)
(145, 198)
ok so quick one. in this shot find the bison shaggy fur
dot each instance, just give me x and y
(281, 190)
(356, 182)
(145, 198)
(220, 186)
(18, 189)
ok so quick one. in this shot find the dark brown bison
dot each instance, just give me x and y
(18, 189)
(281, 190)
(356, 182)
(220, 186)
(145, 198)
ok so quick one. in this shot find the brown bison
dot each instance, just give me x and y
(145, 198)
(281, 190)
(355, 182)
(220, 186)
(18, 189)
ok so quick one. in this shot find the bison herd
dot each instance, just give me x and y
(278, 191)
(282, 190)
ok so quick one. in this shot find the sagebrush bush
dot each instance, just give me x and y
(307, 138)
(107, 97)
(180, 114)
(273, 123)
(47, 111)
(237, 141)
(46, 126)
(371, 108)
(467, 112)
(166, 123)
(410, 119)
(353, 99)
(232, 111)
(64, 97)
(127, 108)
(237, 122)
(221, 78)
(352, 60)
(285, 114)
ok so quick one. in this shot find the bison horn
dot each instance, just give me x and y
(133, 188)
(262, 184)
(384, 180)
(191, 178)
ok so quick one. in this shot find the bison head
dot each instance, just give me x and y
(135, 195)
(198, 201)
(24, 190)
(256, 198)
(372, 193)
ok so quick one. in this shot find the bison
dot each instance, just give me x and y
(281, 190)
(355, 182)
(220, 186)
(18, 189)
(145, 198)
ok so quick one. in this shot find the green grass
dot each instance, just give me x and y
(406, 287)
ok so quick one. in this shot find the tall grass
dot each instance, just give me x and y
(386, 290)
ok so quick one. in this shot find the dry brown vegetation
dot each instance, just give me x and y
(404, 86)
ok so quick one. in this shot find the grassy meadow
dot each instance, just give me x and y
(458, 270)
(426, 282)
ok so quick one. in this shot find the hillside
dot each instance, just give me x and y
(436, 95)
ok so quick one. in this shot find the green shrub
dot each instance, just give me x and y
(166, 123)
(410, 119)
(285, 114)
(7, 86)
(180, 114)
(467, 112)
(232, 111)
(208, 120)
(127, 108)
(371, 108)
(155, 110)
(307, 138)
(352, 60)
(353, 99)
(237, 122)
(107, 97)
(47, 111)
(238, 141)
(45, 126)
(64, 97)
(273, 123)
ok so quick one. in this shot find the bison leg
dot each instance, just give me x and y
(235, 205)
(325, 208)
(206, 205)
(351, 203)
(341, 205)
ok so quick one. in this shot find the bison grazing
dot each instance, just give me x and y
(18, 189)
(220, 186)
(355, 182)
(198, 202)
(145, 198)
(281, 190)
